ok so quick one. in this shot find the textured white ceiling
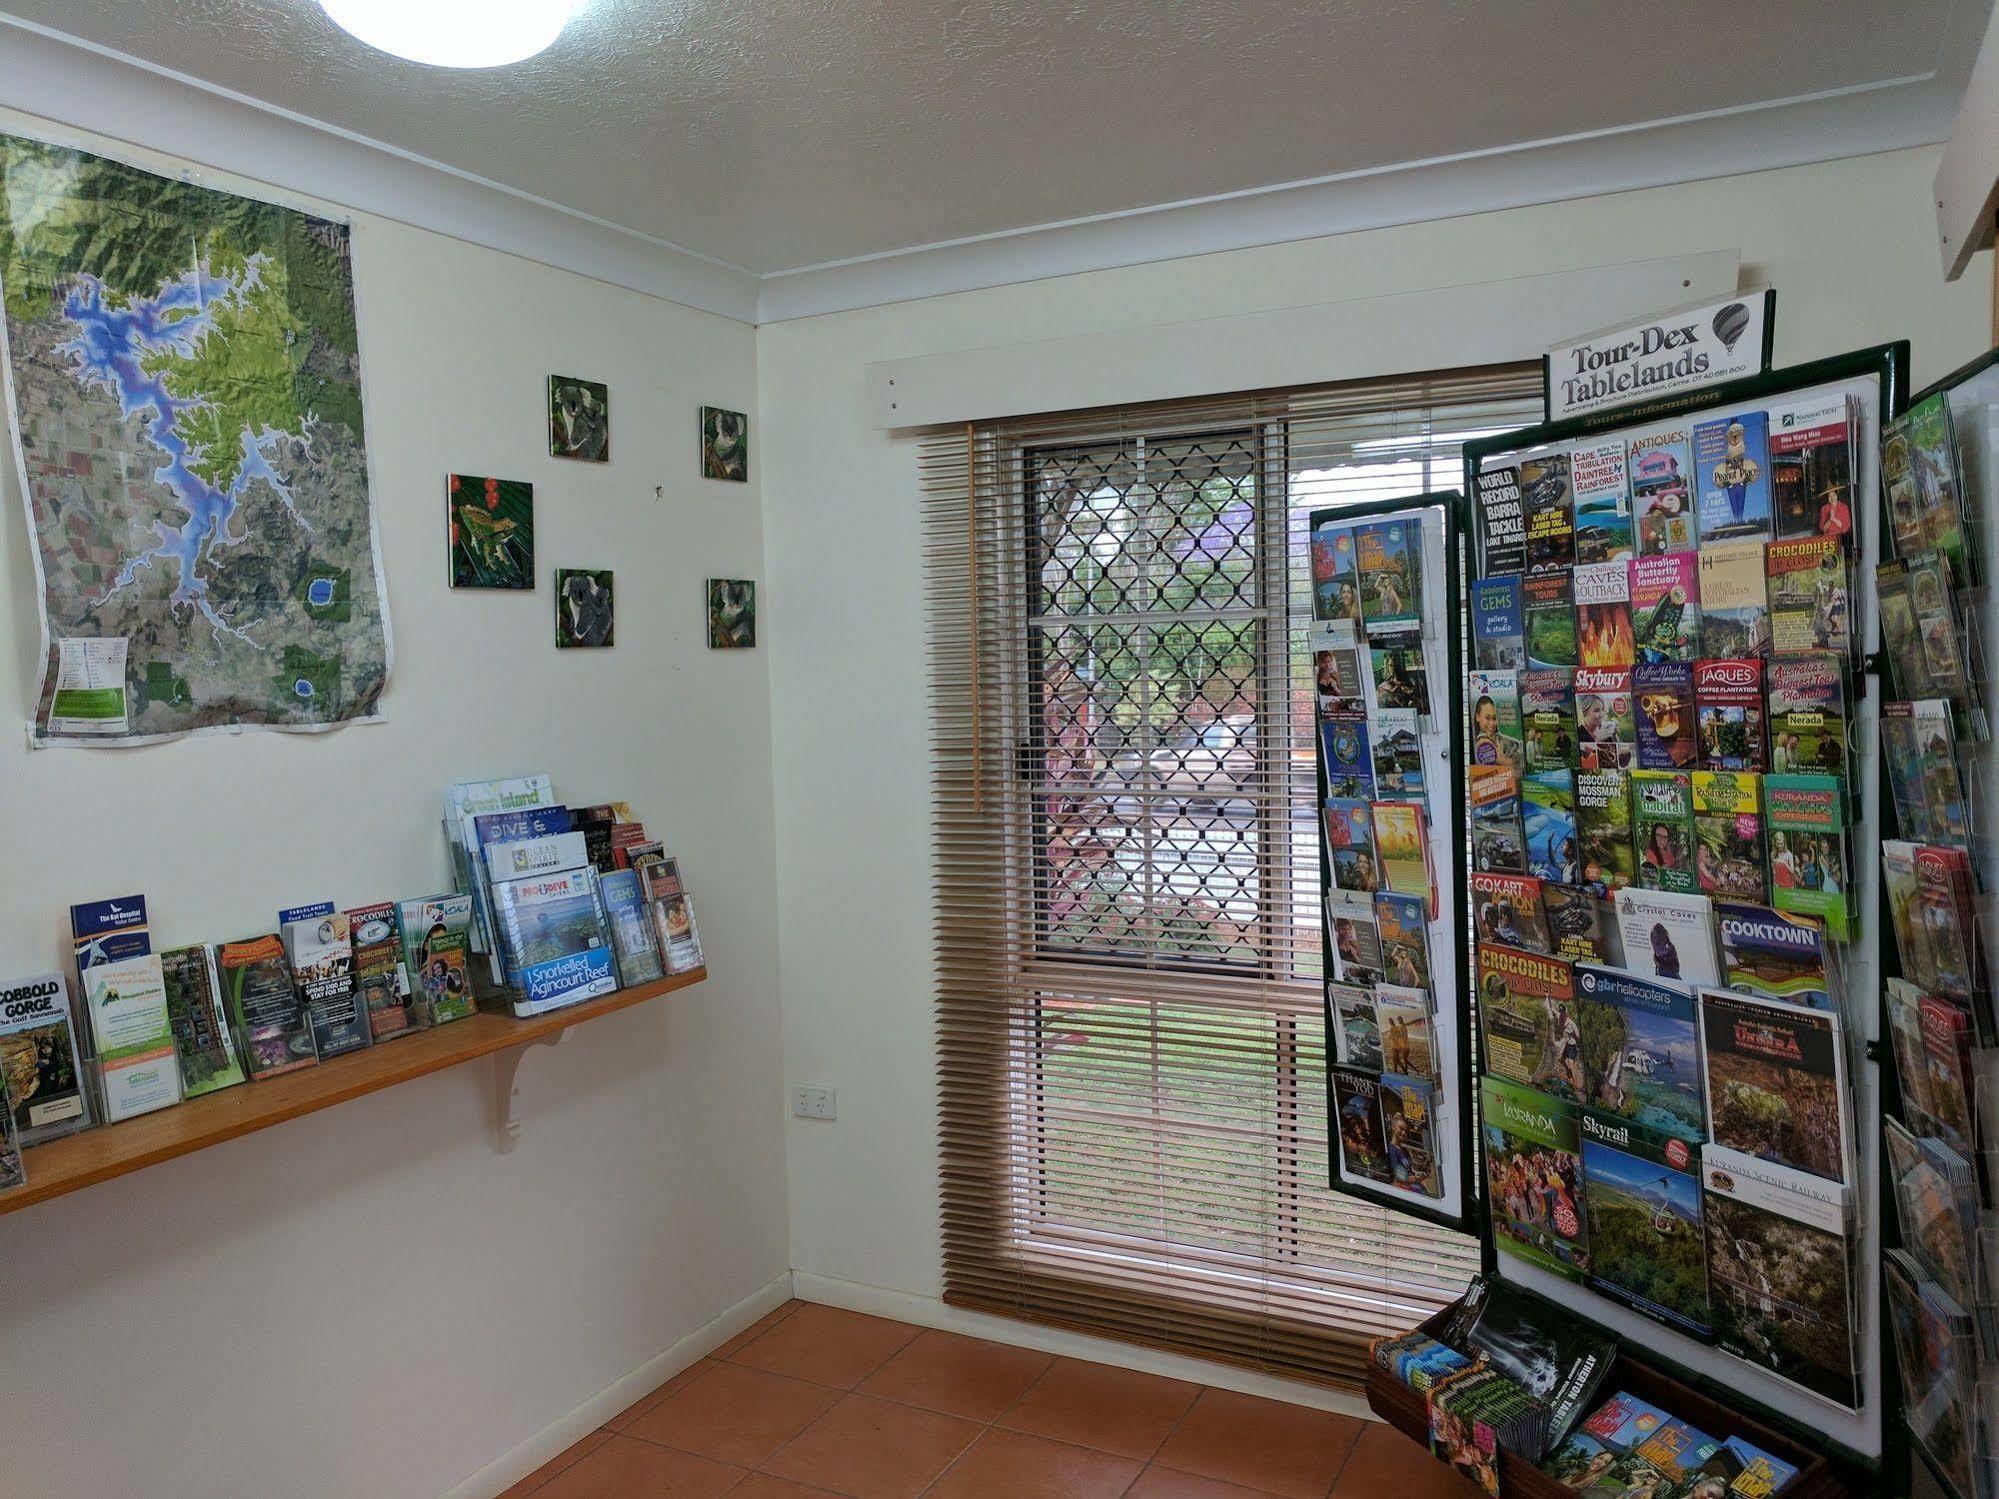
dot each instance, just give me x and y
(775, 134)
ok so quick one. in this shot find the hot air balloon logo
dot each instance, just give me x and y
(1730, 324)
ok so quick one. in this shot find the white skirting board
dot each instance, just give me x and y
(929, 1311)
(512, 1466)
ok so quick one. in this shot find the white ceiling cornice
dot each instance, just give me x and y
(91, 88)
(1881, 117)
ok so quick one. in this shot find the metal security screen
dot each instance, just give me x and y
(1132, 1042)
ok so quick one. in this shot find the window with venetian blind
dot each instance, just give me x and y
(1130, 1014)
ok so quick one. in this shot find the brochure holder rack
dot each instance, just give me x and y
(1864, 1438)
(1422, 1166)
(1954, 1430)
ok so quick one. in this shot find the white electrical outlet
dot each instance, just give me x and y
(815, 1103)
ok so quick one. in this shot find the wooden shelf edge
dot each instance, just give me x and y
(113, 1150)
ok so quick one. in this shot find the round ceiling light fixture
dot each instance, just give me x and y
(454, 33)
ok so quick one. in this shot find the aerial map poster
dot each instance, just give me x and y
(184, 384)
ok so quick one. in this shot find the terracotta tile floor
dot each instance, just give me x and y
(814, 1403)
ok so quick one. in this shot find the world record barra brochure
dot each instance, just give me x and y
(1534, 1177)
(39, 1060)
(1502, 519)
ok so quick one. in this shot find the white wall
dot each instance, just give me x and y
(1848, 246)
(371, 1301)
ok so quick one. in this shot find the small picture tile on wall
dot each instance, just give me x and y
(583, 607)
(732, 614)
(492, 532)
(579, 419)
(725, 445)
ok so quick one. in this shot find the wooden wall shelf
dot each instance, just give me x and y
(108, 1151)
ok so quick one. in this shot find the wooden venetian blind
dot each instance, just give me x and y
(1130, 1017)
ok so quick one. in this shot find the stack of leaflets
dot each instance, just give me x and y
(1558, 1359)
(381, 978)
(1507, 909)
(1417, 1359)
(1603, 617)
(1388, 560)
(1606, 730)
(137, 1064)
(673, 917)
(1499, 639)
(1363, 1147)
(1776, 1083)
(1922, 473)
(632, 936)
(1527, 1019)
(1780, 1272)
(1937, 1352)
(1664, 716)
(1641, 1051)
(1477, 1414)
(551, 922)
(1662, 830)
(106, 931)
(1806, 699)
(1502, 520)
(1937, 1206)
(320, 949)
(202, 1039)
(1630, 1447)
(1774, 955)
(1660, 461)
(1534, 1178)
(1735, 612)
(1498, 841)
(492, 828)
(1669, 936)
(1576, 923)
(1919, 751)
(1810, 873)
(264, 1006)
(1732, 469)
(1728, 711)
(1931, 907)
(1728, 834)
(1642, 1195)
(435, 934)
(12, 1172)
(41, 1062)
(462, 804)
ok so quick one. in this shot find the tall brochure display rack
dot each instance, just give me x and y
(1671, 931)
(1940, 857)
(1387, 647)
